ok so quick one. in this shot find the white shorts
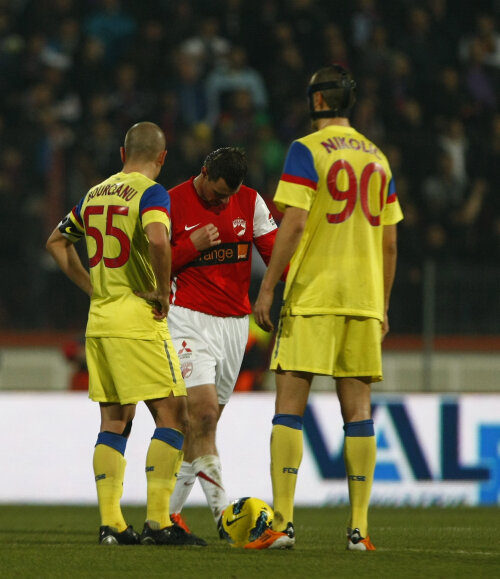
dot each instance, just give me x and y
(210, 348)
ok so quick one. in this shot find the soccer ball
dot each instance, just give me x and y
(244, 520)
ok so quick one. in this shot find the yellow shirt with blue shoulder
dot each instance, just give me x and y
(345, 183)
(112, 217)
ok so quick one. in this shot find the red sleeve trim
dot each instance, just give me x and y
(299, 181)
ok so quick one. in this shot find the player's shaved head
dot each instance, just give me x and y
(144, 141)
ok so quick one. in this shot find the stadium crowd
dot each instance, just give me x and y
(75, 75)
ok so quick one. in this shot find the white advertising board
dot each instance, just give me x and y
(432, 449)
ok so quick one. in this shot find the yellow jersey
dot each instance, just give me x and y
(345, 183)
(112, 217)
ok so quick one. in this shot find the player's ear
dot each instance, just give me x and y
(161, 157)
(318, 101)
(123, 155)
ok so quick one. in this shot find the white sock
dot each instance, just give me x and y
(185, 480)
(209, 472)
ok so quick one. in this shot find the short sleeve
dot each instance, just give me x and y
(299, 181)
(154, 206)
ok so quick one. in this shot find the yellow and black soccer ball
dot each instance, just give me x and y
(245, 519)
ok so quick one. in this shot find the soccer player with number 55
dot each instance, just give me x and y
(339, 234)
(125, 222)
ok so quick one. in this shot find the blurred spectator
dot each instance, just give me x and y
(487, 36)
(452, 207)
(364, 20)
(479, 84)
(375, 57)
(454, 142)
(234, 16)
(306, 18)
(443, 193)
(189, 88)
(113, 26)
(149, 53)
(367, 120)
(101, 142)
(445, 30)
(207, 48)
(335, 49)
(93, 71)
(399, 89)
(237, 123)
(179, 17)
(236, 76)
(130, 100)
(416, 41)
(11, 48)
(446, 98)
(285, 74)
(63, 45)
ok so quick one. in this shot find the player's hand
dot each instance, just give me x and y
(159, 304)
(262, 308)
(205, 237)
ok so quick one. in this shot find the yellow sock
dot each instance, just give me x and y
(286, 456)
(109, 470)
(359, 457)
(163, 461)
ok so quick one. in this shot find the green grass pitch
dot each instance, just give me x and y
(61, 542)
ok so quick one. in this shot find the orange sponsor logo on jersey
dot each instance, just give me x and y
(225, 253)
(219, 254)
(242, 250)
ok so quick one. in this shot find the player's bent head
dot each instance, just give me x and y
(144, 141)
(338, 89)
(228, 163)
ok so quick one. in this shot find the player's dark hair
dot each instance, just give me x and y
(228, 163)
(338, 89)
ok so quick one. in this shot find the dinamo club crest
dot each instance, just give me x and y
(186, 369)
(239, 226)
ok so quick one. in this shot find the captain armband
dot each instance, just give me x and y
(70, 231)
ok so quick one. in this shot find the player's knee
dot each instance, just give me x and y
(204, 422)
(182, 420)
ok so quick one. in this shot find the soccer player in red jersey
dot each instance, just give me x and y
(216, 220)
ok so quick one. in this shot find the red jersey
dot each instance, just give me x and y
(216, 280)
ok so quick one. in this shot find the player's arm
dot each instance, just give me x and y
(161, 262)
(287, 240)
(265, 230)
(390, 253)
(63, 251)
(264, 245)
(189, 249)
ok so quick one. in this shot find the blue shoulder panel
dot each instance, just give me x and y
(299, 162)
(155, 196)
